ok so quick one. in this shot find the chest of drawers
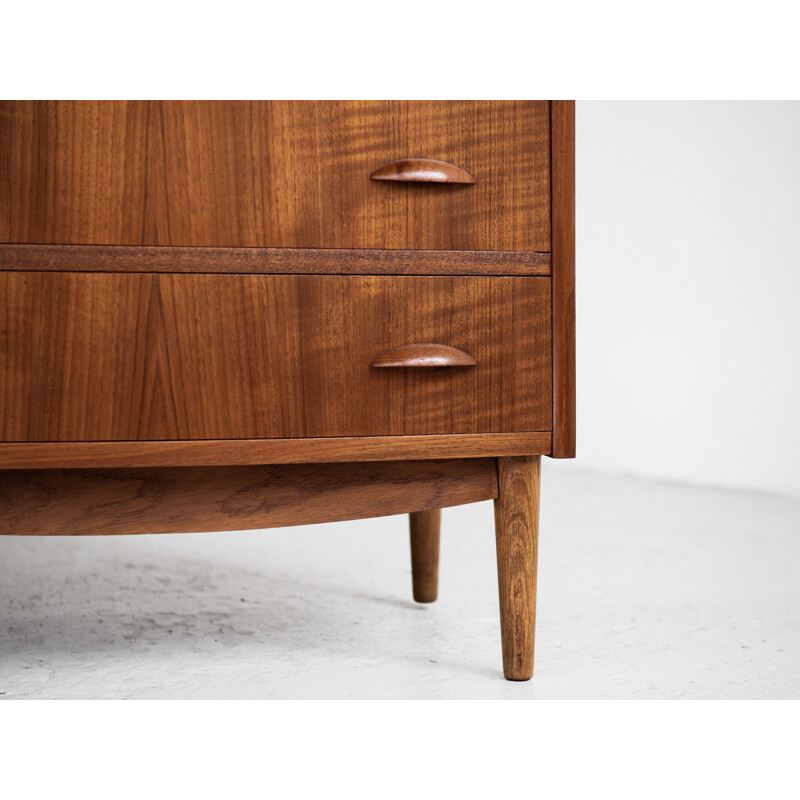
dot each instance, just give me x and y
(230, 315)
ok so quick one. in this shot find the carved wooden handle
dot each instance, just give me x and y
(424, 355)
(421, 170)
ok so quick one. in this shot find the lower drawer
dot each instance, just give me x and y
(135, 356)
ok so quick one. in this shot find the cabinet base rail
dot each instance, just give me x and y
(62, 502)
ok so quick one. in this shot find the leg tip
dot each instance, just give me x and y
(518, 669)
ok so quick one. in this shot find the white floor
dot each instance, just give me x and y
(646, 590)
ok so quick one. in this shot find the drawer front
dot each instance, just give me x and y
(142, 356)
(276, 174)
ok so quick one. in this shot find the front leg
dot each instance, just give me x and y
(516, 518)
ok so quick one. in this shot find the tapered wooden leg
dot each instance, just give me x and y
(425, 554)
(516, 521)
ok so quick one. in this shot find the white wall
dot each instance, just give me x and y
(688, 291)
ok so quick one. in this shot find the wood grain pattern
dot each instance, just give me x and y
(103, 357)
(563, 269)
(86, 502)
(421, 170)
(516, 513)
(276, 260)
(424, 530)
(42, 455)
(273, 174)
(73, 171)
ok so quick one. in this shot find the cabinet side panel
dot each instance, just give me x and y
(562, 159)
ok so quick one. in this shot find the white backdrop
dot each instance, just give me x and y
(688, 291)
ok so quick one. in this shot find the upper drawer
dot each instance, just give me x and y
(274, 174)
(107, 356)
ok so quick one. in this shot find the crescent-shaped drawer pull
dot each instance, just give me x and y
(425, 354)
(421, 170)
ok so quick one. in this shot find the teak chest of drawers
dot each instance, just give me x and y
(224, 315)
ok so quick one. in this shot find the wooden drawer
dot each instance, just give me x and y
(143, 356)
(274, 174)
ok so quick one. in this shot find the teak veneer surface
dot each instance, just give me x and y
(186, 499)
(273, 174)
(141, 356)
